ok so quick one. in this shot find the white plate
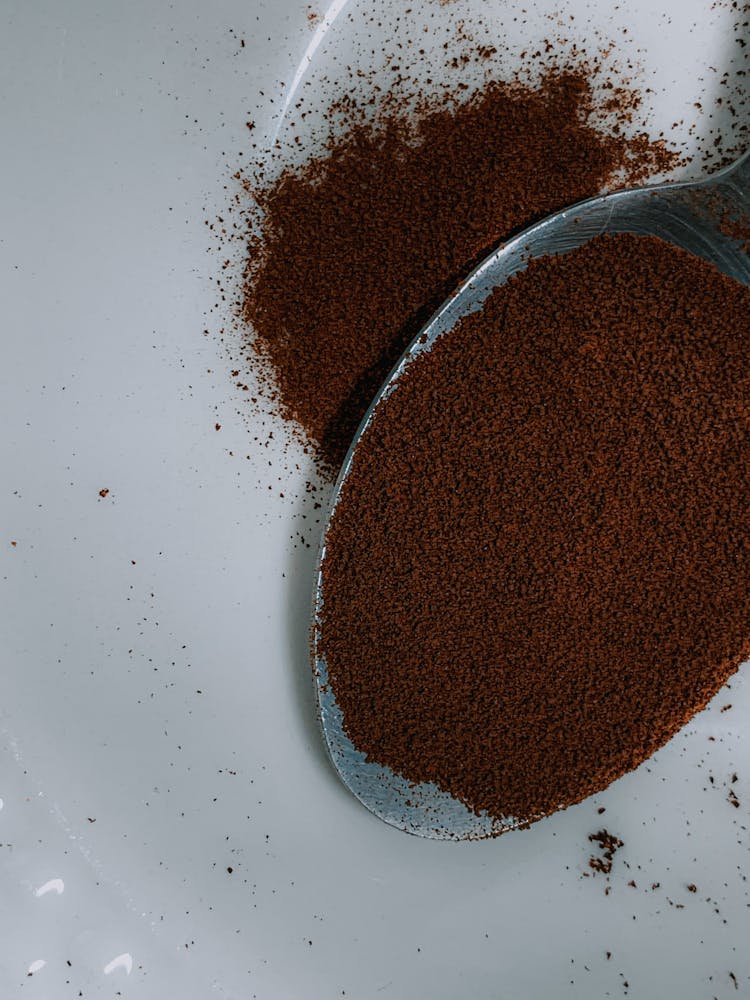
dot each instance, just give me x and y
(157, 717)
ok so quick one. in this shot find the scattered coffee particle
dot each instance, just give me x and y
(359, 247)
(608, 845)
(536, 571)
(692, 887)
(104, 493)
(736, 228)
(14, 544)
(732, 799)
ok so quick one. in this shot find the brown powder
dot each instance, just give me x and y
(609, 845)
(537, 570)
(361, 246)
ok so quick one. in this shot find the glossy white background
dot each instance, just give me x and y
(157, 715)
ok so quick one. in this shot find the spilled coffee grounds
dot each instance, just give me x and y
(538, 568)
(359, 247)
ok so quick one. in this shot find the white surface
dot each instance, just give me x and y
(157, 716)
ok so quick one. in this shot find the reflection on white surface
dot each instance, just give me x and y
(1, 803)
(36, 966)
(54, 885)
(320, 32)
(124, 961)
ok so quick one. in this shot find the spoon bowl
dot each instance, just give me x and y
(704, 218)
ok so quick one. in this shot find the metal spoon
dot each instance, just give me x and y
(695, 216)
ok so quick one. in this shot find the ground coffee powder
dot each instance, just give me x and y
(538, 568)
(360, 247)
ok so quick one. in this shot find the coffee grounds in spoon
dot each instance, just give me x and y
(537, 571)
(358, 248)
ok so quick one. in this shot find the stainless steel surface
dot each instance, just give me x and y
(698, 217)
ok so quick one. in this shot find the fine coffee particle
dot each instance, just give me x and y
(536, 572)
(609, 844)
(359, 247)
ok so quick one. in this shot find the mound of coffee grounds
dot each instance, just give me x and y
(537, 570)
(360, 247)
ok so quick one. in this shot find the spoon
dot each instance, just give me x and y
(697, 217)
